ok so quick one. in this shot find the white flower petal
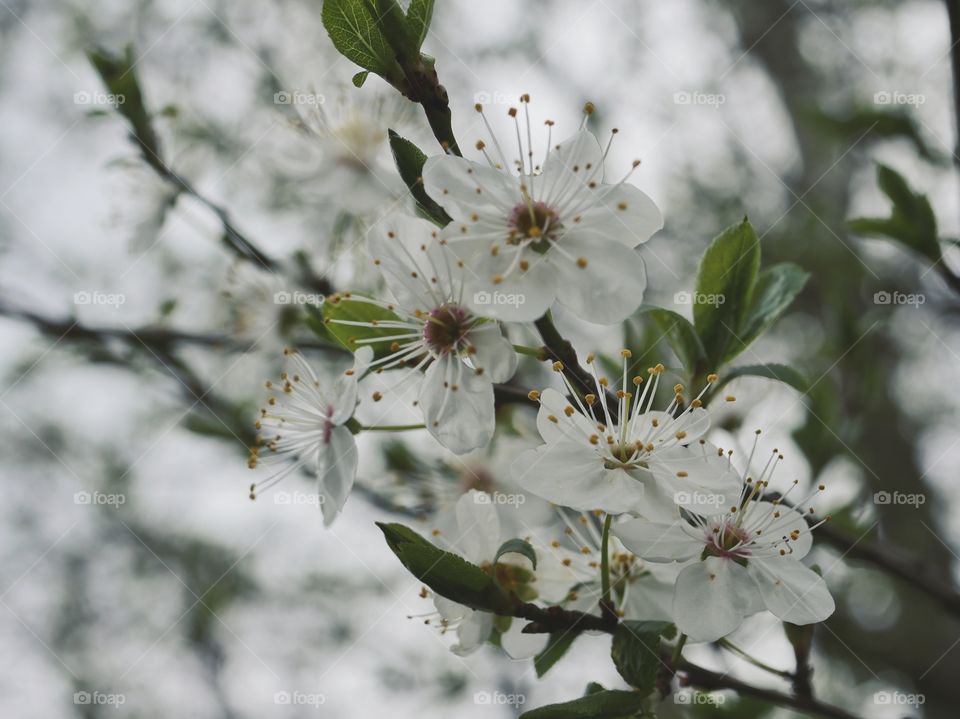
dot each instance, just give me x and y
(345, 390)
(651, 594)
(461, 419)
(412, 262)
(658, 498)
(611, 285)
(622, 213)
(704, 484)
(519, 645)
(478, 526)
(568, 168)
(449, 609)
(575, 428)
(659, 542)
(517, 296)
(472, 632)
(707, 604)
(494, 353)
(791, 591)
(337, 471)
(566, 474)
(453, 183)
(558, 570)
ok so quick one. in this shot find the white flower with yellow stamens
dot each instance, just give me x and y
(303, 426)
(474, 531)
(743, 559)
(638, 590)
(455, 353)
(555, 231)
(641, 460)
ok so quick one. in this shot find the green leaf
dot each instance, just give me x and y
(517, 546)
(337, 310)
(445, 573)
(557, 646)
(352, 27)
(606, 704)
(679, 333)
(409, 159)
(360, 78)
(783, 373)
(636, 652)
(419, 15)
(911, 221)
(392, 22)
(725, 283)
(776, 288)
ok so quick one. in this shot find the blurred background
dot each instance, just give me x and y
(138, 326)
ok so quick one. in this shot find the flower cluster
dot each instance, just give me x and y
(658, 522)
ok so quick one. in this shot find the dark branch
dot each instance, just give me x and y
(553, 619)
(702, 678)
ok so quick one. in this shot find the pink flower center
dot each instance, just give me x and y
(728, 540)
(445, 328)
(535, 223)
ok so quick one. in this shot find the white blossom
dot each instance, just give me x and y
(453, 352)
(740, 559)
(642, 461)
(541, 233)
(303, 426)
